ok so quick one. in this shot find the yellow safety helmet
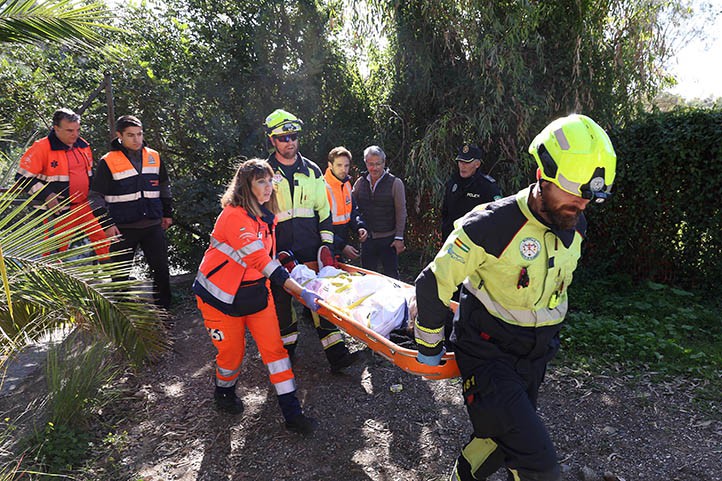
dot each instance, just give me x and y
(576, 155)
(280, 122)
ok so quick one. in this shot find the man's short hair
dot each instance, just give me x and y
(65, 114)
(125, 121)
(339, 152)
(374, 150)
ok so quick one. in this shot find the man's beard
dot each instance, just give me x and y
(561, 219)
(289, 155)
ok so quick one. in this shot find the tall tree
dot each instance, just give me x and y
(495, 73)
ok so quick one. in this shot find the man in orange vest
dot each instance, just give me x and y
(61, 165)
(344, 214)
(131, 189)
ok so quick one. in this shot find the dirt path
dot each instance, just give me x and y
(167, 428)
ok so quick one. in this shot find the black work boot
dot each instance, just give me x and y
(302, 425)
(344, 361)
(227, 400)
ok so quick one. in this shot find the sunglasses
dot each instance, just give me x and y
(286, 138)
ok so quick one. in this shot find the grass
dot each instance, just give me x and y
(662, 329)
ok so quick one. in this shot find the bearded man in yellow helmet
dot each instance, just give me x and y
(304, 225)
(515, 257)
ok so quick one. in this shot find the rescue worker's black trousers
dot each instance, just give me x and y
(155, 249)
(500, 398)
(329, 335)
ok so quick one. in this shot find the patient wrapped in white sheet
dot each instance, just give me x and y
(377, 302)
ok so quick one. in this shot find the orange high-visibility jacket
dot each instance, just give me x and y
(339, 198)
(240, 254)
(46, 162)
(133, 195)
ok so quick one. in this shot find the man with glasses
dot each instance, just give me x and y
(381, 201)
(516, 258)
(304, 225)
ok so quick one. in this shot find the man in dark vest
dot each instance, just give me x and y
(381, 201)
(131, 192)
(466, 189)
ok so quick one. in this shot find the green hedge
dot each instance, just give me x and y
(664, 221)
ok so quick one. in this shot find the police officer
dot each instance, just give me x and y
(466, 189)
(516, 258)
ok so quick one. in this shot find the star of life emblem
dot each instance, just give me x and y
(529, 248)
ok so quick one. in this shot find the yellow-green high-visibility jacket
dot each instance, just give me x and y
(304, 222)
(516, 271)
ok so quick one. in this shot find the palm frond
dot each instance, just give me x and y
(5, 131)
(50, 287)
(63, 21)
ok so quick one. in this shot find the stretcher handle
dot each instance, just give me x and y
(401, 356)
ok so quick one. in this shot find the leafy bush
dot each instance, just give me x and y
(664, 222)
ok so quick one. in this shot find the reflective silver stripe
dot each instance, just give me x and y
(568, 185)
(214, 289)
(279, 366)
(283, 216)
(251, 248)
(228, 372)
(36, 187)
(293, 213)
(331, 339)
(151, 170)
(151, 194)
(561, 139)
(428, 337)
(122, 198)
(290, 339)
(285, 387)
(326, 236)
(54, 178)
(335, 217)
(341, 219)
(519, 317)
(124, 174)
(25, 173)
(270, 267)
(232, 373)
(228, 250)
(303, 212)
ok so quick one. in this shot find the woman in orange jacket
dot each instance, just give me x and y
(232, 290)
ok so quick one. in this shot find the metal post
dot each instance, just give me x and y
(111, 106)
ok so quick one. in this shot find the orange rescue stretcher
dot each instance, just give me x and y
(400, 356)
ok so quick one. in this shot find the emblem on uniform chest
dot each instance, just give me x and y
(529, 248)
(277, 178)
